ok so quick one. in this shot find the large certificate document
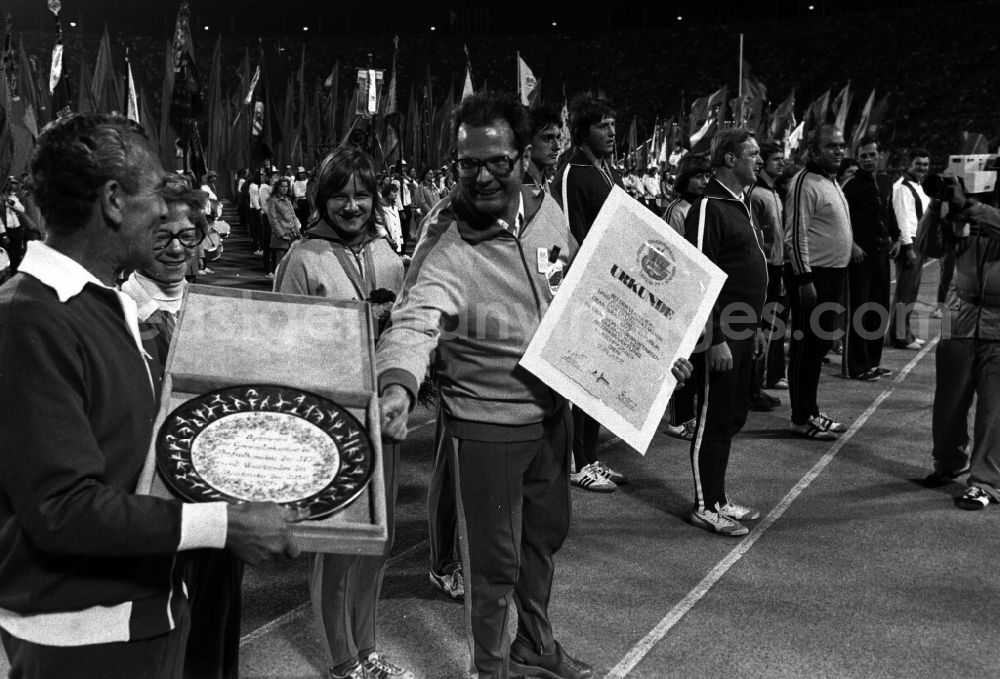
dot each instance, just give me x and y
(635, 299)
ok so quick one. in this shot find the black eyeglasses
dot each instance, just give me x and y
(498, 166)
(189, 238)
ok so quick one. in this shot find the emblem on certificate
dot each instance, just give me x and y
(265, 443)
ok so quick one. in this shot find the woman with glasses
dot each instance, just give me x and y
(344, 256)
(213, 577)
(159, 287)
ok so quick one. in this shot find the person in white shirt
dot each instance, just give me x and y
(300, 191)
(253, 215)
(393, 225)
(909, 202)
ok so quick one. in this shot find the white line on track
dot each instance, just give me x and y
(646, 644)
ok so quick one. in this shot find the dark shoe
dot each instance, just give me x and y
(884, 372)
(872, 375)
(974, 498)
(936, 479)
(558, 665)
(762, 403)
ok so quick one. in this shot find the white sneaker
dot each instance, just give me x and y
(589, 478)
(377, 667)
(738, 512)
(714, 522)
(830, 424)
(682, 431)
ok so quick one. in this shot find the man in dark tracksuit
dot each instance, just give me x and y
(580, 187)
(876, 241)
(720, 226)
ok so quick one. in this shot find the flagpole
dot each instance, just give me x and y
(518, 81)
(739, 87)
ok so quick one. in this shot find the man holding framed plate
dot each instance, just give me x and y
(88, 580)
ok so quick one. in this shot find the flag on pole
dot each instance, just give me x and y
(467, 88)
(369, 91)
(391, 105)
(841, 106)
(565, 138)
(861, 127)
(704, 108)
(132, 97)
(526, 82)
(795, 139)
(59, 87)
(784, 117)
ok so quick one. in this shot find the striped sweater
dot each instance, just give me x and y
(817, 224)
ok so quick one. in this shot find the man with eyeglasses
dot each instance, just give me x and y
(581, 186)
(819, 245)
(477, 287)
(89, 580)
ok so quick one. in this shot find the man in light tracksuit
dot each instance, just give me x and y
(819, 244)
(475, 290)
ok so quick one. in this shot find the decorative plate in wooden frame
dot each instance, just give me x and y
(260, 443)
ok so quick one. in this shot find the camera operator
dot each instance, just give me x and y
(14, 231)
(968, 356)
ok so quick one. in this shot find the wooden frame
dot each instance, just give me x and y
(228, 337)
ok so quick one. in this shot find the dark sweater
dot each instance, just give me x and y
(730, 239)
(77, 420)
(585, 192)
(873, 226)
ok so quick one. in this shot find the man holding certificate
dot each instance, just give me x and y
(480, 281)
(720, 225)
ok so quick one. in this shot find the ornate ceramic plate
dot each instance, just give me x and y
(265, 443)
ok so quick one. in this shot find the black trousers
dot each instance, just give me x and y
(441, 517)
(868, 283)
(585, 432)
(813, 330)
(723, 402)
(967, 370)
(513, 516)
(214, 583)
(770, 366)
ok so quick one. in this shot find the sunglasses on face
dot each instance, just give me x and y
(189, 238)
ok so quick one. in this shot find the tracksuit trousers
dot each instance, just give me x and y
(868, 312)
(441, 510)
(723, 402)
(967, 369)
(513, 516)
(907, 287)
(344, 588)
(813, 330)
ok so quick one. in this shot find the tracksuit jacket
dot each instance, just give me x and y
(817, 224)
(720, 225)
(585, 191)
(475, 292)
